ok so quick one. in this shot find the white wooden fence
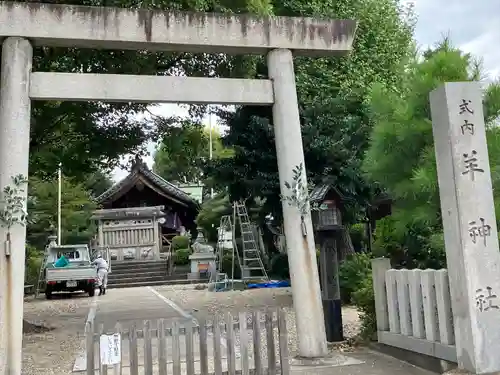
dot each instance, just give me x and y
(253, 343)
(414, 310)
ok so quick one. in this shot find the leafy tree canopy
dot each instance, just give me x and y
(92, 136)
(333, 105)
(76, 210)
(97, 183)
(185, 148)
(401, 154)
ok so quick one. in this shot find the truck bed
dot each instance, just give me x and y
(71, 273)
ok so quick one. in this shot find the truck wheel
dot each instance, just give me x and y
(92, 290)
(48, 293)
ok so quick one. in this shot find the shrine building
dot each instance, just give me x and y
(140, 214)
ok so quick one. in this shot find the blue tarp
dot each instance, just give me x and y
(61, 262)
(270, 284)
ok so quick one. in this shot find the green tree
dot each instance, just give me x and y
(211, 212)
(86, 137)
(97, 183)
(333, 108)
(401, 155)
(76, 210)
(184, 150)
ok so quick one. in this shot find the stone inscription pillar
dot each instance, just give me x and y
(14, 155)
(301, 250)
(470, 231)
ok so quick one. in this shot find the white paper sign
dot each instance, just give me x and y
(110, 348)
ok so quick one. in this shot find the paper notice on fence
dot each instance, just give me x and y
(110, 348)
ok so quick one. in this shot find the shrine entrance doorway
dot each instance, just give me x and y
(23, 25)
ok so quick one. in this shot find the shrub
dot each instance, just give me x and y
(353, 272)
(210, 214)
(364, 300)
(279, 266)
(33, 262)
(358, 236)
(227, 266)
(181, 257)
(180, 242)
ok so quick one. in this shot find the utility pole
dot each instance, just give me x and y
(59, 204)
(210, 141)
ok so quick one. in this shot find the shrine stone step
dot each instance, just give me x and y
(156, 283)
(126, 274)
(141, 278)
(127, 271)
(136, 265)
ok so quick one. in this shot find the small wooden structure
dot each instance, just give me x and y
(130, 233)
(328, 228)
(141, 213)
(249, 343)
(328, 216)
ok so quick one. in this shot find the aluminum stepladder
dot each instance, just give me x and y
(252, 267)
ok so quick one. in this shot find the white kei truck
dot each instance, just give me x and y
(78, 275)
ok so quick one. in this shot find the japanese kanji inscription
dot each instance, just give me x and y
(486, 300)
(469, 223)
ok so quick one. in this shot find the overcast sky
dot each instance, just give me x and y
(473, 26)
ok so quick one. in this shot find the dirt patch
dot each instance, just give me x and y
(53, 334)
(29, 328)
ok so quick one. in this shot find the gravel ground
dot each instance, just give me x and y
(205, 304)
(53, 351)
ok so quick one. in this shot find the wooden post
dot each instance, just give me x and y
(157, 238)
(283, 340)
(148, 349)
(134, 355)
(203, 347)
(162, 348)
(90, 346)
(257, 355)
(217, 346)
(379, 268)
(271, 354)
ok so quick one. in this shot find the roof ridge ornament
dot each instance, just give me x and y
(138, 162)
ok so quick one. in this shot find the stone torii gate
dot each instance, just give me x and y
(24, 25)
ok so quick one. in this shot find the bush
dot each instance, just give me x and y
(279, 267)
(358, 237)
(414, 246)
(227, 266)
(353, 272)
(33, 262)
(181, 257)
(210, 214)
(180, 242)
(364, 300)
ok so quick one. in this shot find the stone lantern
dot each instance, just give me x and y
(202, 259)
(326, 203)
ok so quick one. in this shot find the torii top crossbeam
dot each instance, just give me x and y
(117, 28)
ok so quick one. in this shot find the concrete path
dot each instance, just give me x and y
(369, 363)
(133, 305)
(363, 362)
